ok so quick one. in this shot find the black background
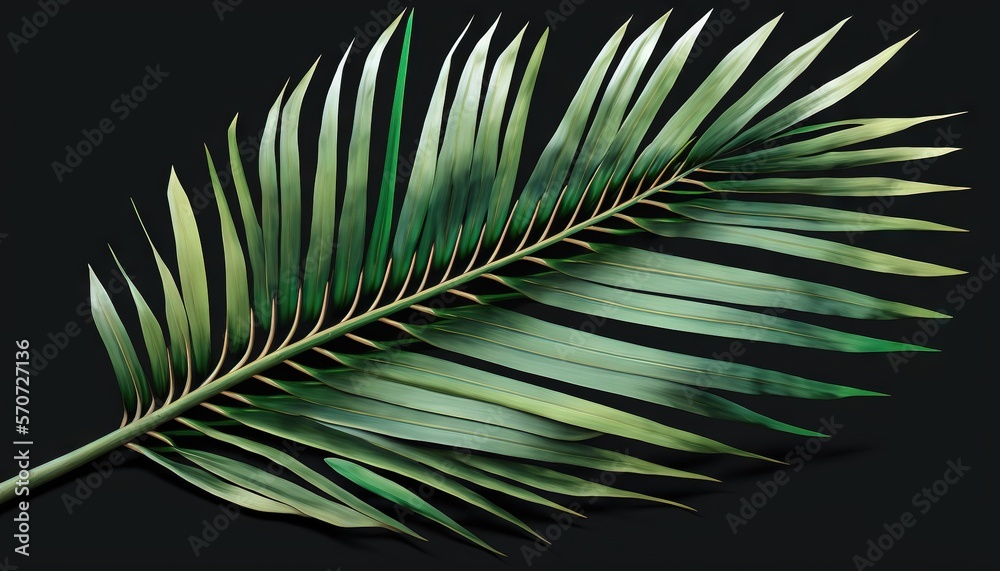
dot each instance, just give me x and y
(65, 78)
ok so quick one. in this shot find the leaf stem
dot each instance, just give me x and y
(113, 440)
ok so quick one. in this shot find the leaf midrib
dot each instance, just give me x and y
(113, 440)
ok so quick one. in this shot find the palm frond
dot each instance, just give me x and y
(428, 404)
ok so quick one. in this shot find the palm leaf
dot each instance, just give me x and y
(450, 400)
